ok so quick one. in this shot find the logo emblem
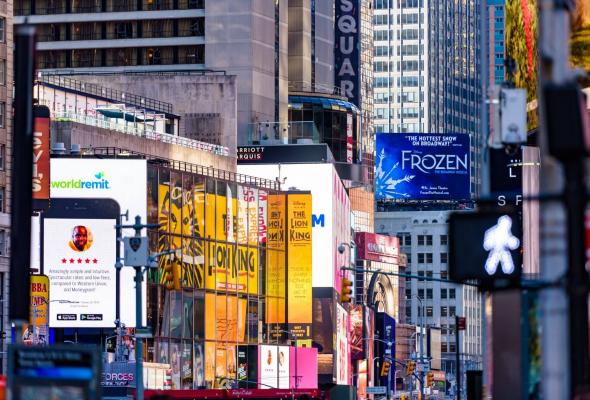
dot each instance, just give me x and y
(499, 241)
(135, 243)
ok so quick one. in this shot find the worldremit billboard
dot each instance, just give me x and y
(412, 166)
(330, 220)
(124, 181)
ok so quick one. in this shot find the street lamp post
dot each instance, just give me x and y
(389, 348)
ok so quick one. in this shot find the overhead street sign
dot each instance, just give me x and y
(376, 390)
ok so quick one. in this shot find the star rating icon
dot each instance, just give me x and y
(79, 260)
(64, 261)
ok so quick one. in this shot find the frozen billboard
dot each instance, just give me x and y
(413, 166)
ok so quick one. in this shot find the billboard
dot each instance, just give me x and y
(299, 259)
(124, 181)
(580, 43)
(422, 167)
(386, 332)
(330, 213)
(346, 52)
(375, 247)
(275, 276)
(37, 331)
(273, 366)
(357, 344)
(342, 356)
(41, 144)
(304, 367)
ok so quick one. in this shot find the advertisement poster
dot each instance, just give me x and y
(357, 344)
(299, 259)
(375, 247)
(304, 367)
(422, 167)
(343, 351)
(283, 357)
(37, 330)
(580, 43)
(275, 254)
(268, 366)
(41, 145)
(79, 261)
(199, 365)
(125, 181)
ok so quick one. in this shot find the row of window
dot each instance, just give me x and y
(403, 66)
(413, 18)
(387, 4)
(405, 97)
(428, 274)
(409, 128)
(404, 34)
(407, 81)
(40, 7)
(406, 112)
(405, 239)
(405, 50)
(444, 293)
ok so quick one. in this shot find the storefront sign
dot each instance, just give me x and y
(374, 247)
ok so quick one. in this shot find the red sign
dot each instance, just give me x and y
(374, 247)
(41, 158)
(461, 323)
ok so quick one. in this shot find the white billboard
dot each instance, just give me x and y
(283, 366)
(268, 365)
(343, 349)
(125, 181)
(82, 282)
(330, 209)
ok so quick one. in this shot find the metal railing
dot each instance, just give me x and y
(283, 133)
(305, 86)
(138, 129)
(183, 166)
(165, 34)
(108, 93)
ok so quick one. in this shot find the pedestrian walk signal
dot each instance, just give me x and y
(385, 369)
(486, 247)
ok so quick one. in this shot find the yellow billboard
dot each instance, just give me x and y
(37, 331)
(275, 260)
(299, 261)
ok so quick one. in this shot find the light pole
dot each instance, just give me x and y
(420, 300)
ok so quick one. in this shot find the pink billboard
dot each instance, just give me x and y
(341, 221)
(374, 247)
(303, 364)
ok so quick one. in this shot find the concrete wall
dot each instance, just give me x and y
(300, 42)
(240, 39)
(90, 136)
(189, 94)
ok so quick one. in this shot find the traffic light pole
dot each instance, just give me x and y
(457, 359)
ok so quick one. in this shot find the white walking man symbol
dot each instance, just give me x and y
(499, 240)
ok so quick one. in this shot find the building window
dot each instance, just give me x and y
(2, 156)
(451, 293)
(443, 312)
(408, 294)
(420, 291)
(2, 30)
(429, 274)
(2, 199)
(420, 273)
(451, 347)
(3, 237)
(444, 258)
(429, 258)
(423, 240)
(425, 258)
(452, 311)
(429, 311)
(443, 274)
(443, 347)
(429, 293)
(443, 293)
(444, 240)
(408, 311)
(405, 239)
(2, 72)
(2, 113)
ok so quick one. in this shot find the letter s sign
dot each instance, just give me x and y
(317, 220)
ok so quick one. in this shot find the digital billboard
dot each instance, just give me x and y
(124, 181)
(304, 367)
(580, 42)
(413, 166)
(273, 367)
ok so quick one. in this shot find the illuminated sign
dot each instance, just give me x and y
(422, 167)
(127, 185)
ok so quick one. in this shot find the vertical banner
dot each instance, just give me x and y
(41, 144)
(346, 54)
(343, 350)
(275, 264)
(299, 285)
(349, 138)
(36, 332)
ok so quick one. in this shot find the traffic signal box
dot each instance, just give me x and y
(172, 271)
(346, 291)
(385, 368)
(429, 379)
(410, 366)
